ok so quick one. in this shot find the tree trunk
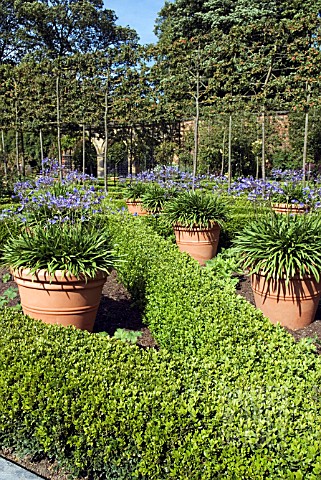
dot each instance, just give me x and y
(196, 126)
(23, 165)
(306, 131)
(4, 156)
(131, 152)
(58, 128)
(41, 150)
(263, 143)
(17, 137)
(106, 133)
(229, 175)
(223, 154)
(83, 149)
(17, 152)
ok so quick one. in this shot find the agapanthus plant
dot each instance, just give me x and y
(155, 197)
(135, 191)
(46, 198)
(174, 178)
(291, 192)
(282, 246)
(81, 251)
(61, 229)
(195, 209)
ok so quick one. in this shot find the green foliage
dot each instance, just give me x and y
(83, 26)
(9, 294)
(90, 156)
(160, 225)
(225, 265)
(195, 208)
(240, 213)
(80, 249)
(165, 152)
(282, 246)
(227, 396)
(155, 197)
(135, 191)
(8, 228)
(291, 191)
(6, 277)
(127, 335)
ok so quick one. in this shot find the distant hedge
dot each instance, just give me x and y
(227, 396)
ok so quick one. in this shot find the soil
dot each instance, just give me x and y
(118, 310)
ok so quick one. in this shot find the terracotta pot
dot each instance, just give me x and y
(293, 305)
(200, 243)
(136, 208)
(289, 208)
(61, 299)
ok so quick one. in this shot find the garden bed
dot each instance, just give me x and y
(116, 310)
(222, 370)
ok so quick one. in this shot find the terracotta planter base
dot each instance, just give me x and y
(60, 299)
(135, 208)
(201, 244)
(293, 305)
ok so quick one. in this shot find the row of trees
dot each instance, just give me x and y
(67, 68)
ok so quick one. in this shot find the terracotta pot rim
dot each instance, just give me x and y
(59, 275)
(195, 228)
(136, 202)
(295, 278)
(290, 206)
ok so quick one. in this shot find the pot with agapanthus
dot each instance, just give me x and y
(155, 197)
(291, 197)
(196, 217)
(283, 256)
(60, 256)
(133, 196)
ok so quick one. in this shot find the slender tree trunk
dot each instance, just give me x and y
(257, 157)
(41, 150)
(23, 165)
(83, 148)
(263, 143)
(268, 76)
(223, 153)
(17, 136)
(4, 156)
(106, 133)
(209, 136)
(306, 131)
(89, 143)
(229, 175)
(58, 127)
(196, 126)
(179, 144)
(17, 152)
(131, 151)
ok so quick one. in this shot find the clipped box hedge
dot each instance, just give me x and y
(227, 396)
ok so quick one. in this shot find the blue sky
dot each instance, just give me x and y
(138, 14)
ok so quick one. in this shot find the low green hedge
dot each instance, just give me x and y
(227, 396)
(240, 212)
